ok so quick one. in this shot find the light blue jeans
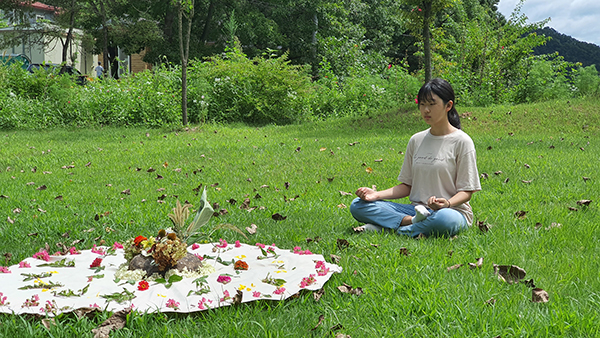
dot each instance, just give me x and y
(443, 222)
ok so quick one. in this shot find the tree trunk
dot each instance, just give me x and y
(206, 30)
(427, 39)
(69, 38)
(185, 53)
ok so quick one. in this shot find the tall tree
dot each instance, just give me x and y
(185, 9)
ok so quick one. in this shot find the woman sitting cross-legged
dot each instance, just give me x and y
(439, 175)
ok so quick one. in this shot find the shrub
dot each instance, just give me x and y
(587, 81)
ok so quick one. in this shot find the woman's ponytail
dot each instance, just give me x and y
(453, 117)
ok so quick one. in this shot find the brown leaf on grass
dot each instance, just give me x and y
(10, 220)
(77, 241)
(252, 229)
(498, 172)
(245, 205)
(374, 245)
(48, 322)
(85, 311)
(59, 198)
(484, 175)
(17, 211)
(214, 184)
(453, 267)
(322, 149)
(404, 251)
(318, 294)
(450, 253)
(336, 259)
(316, 239)
(554, 225)
(489, 148)
(526, 182)
(278, 217)
(286, 185)
(584, 202)
(67, 234)
(490, 301)
(298, 149)
(369, 170)
(7, 257)
(126, 192)
(237, 299)
(321, 317)
(4, 196)
(33, 234)
(41, 210)
(509, 273)
(527, 166)
(586, 178)
(521, 214)
(379, 160)
(506, 180)
(115, 322)
(477, 264)
(30, 183)
(89, 230)
(343, 193)
(159, 177)
(345, 288)
(358, 229)
(539, 296)
(42, 187)
(573, 209)
(353, 143)
(529, 283)
(483, 227)
(342, 206)
(538, 225)
(150, 170)
(342, 243)
(257, 196)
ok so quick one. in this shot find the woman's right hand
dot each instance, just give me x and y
(367, 194)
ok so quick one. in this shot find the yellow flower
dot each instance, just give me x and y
(45, 290)
(242, 287)
(280, 271)
(240, 256)
(159, 295)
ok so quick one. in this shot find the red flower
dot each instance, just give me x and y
(96, 263)
(138, 240)
(143, 285)
(240, 265)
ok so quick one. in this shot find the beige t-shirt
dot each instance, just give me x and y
(440, 166)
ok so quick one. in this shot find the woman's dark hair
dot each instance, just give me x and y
(444, 91)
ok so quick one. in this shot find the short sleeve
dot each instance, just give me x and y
(467, 176)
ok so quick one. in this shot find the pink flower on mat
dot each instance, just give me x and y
(260, 245)
(3, 299)
(322, 270)
(57, 253)
(117, 245)
(43, 255)
(203, 303)
(96, 263)
(4, 269)
(256, 294)
(195, 246)
(226, 296)
(73, 251)
(222, 243)
(94, 306)
(279, 291)
(24, 264)
(200, 257)
(306, 281)
(223, 279)
(238, 244)
(171, 303)
(298, 251)
(99, 251)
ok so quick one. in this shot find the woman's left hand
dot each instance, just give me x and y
(435, 203)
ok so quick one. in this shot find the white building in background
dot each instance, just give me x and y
(48, 51)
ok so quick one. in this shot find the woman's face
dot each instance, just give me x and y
(435, 112)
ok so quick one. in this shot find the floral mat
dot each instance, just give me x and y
(50, 285)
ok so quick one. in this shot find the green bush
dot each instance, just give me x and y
(587, 81)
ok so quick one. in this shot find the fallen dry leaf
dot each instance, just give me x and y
(521, 214)
(345, 288)
(88, 164)
(342, 206)
(573, 209)
(484, 175)
(369, 170)
(47, 322)
(498, 172)
(336, 259)
(526, 182)
(343, 193)
(42, 187)
(477, 264)
(278, 217)
(10, 220)
(322, 149)
(539, 296)
(586, 178)
(379, 160)
(252, 229)
(484, 227)
(404, 251)
(529, 283)
(342, 243)
(318, 294)
(126, 192)
(509, 273)
(115, 322)
(506, 180)
(321, 318)
(490, 301)
(316, 239)
(245, 205)
(453, 267)
(584, 202)
(554, 225)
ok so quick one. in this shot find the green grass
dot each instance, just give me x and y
(411, 296)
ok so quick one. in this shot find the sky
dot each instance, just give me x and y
(579, 19)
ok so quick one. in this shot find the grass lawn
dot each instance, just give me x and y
(541, 154)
